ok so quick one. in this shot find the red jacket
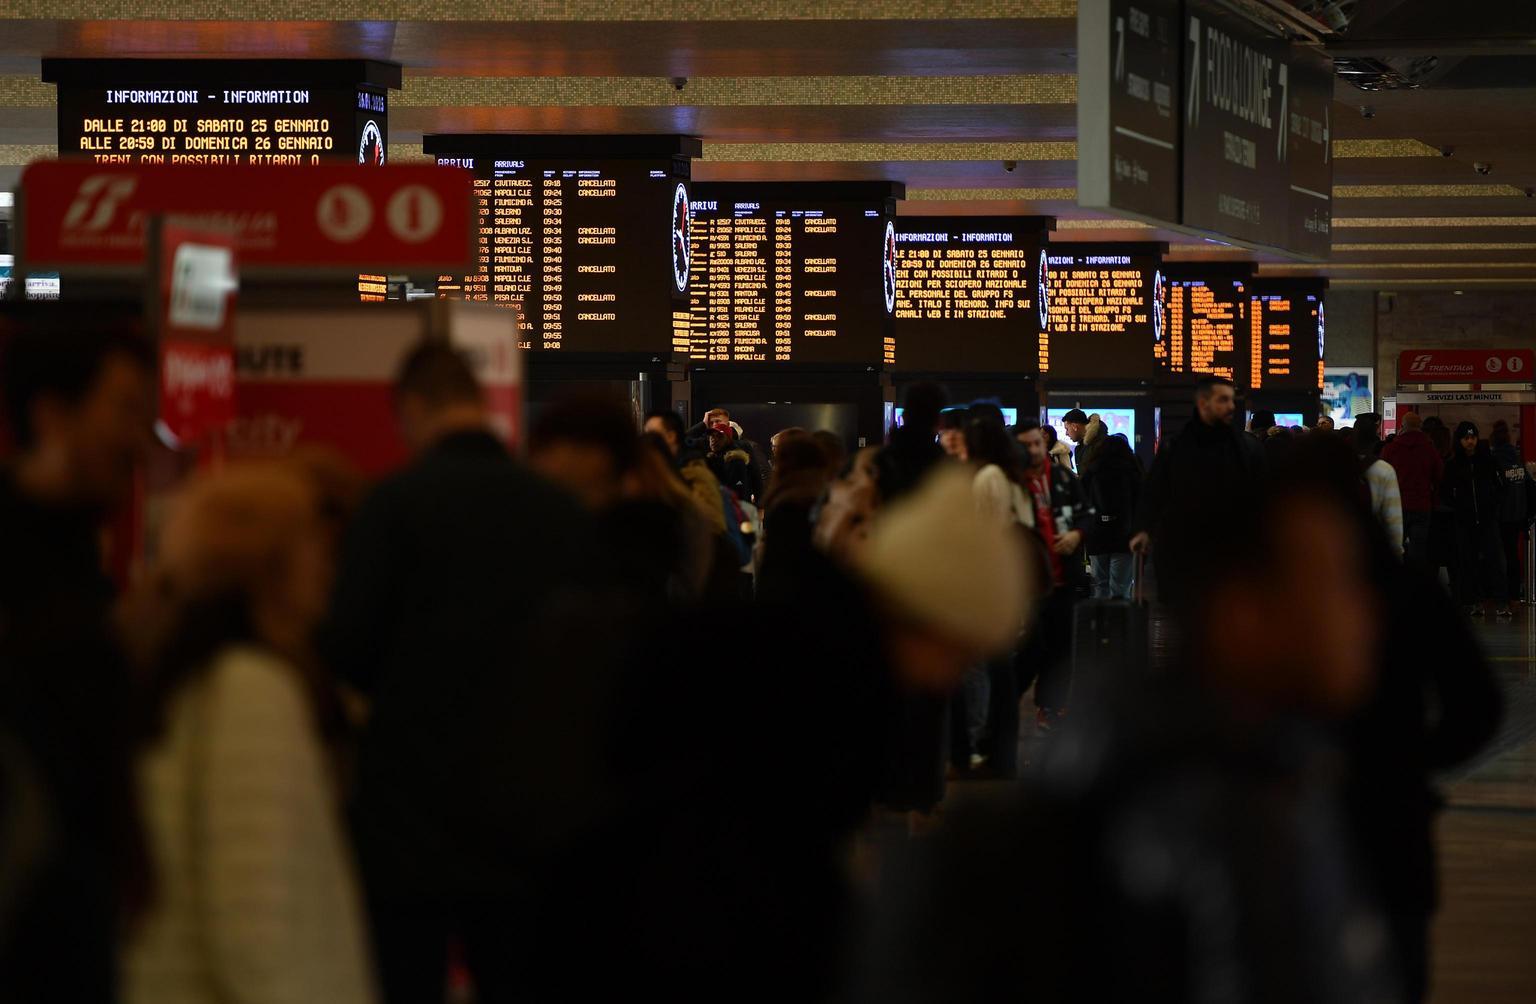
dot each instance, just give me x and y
(1419, 469)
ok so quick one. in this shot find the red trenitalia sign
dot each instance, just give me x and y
(326, 217)
(1466, 366)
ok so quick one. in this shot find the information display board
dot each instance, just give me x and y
(1286, 334)
(793, 273)
(1105, 308)
(1256, 150)
(223, 111)
(590, 238)
(1128, 108)
(1207, 324)
(967, 293)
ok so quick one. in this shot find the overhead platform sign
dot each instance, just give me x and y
(1196, 119)
(1257, 164)
(1127, 107)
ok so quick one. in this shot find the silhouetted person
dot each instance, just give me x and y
(1203, 471)
(78, 401)
(453, 580)
(1517, 504)
(911, 451)
(1472, 491)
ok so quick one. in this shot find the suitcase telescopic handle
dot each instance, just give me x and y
(1139, 590)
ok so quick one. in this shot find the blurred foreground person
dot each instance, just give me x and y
(457, 576)
(729, 879)
(1434, 704)
(79, 404)
(1473, 491)
(1190, 845)
(255, 895)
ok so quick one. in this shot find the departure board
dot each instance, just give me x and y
(1105, 308)
(1286, 335)
(1207, 324)
(792, 273)
(966, 293)
(217, 111)
(594, 249)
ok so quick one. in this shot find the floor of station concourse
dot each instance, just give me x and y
(1485, 936)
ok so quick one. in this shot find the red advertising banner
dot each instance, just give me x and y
(341, 218)
(1466, 366)
(197, 344)
(307, 377)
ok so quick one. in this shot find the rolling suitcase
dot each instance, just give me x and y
(1110, 644)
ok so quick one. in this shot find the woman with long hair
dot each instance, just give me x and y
(986, 728)
(1471, 490)
(255, 895)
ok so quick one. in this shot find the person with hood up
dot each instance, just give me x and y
(1111, 477)
(1472, 491)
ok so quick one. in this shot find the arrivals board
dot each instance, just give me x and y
(223, 112)
(1105, 308)
(966, 293)
(1206, 333)
(594, 248)
(1286, 334)
(793, 273)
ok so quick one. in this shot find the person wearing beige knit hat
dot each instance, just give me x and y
(954, 588)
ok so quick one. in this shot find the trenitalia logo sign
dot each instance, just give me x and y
(1466, 366)
(85, 216)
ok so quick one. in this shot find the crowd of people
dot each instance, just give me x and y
(658, 710)
(1456, 502)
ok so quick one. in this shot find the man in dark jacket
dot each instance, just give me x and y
(1208, 469)
(452, 614)
(760, 462)
(1419, 470)
(79, 407)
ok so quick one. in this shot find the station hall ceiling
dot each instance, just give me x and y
(854, 89)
